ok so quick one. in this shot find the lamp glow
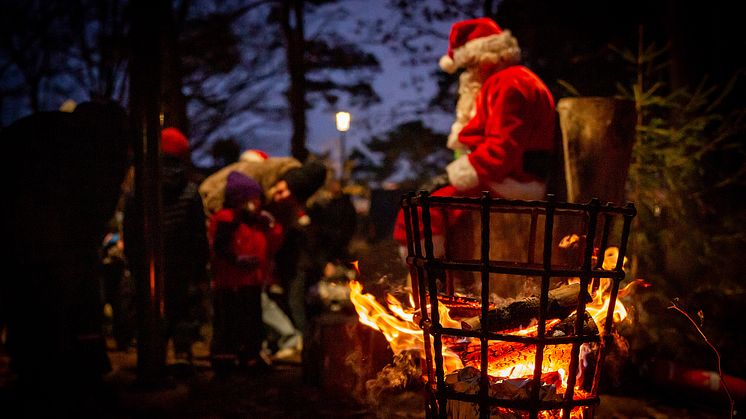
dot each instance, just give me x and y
(343, 121)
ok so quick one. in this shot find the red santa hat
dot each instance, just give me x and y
(469, 36)
(254, 155)
(174, 143)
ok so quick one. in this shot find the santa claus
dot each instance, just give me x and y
(504, 132)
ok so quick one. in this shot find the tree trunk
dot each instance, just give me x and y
(145, 98)
(292, 28)
(597, 136)
(173, 101)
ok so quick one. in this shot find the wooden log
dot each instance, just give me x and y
(562, 301)
(597, 137)
(567, 326)
(504, 355)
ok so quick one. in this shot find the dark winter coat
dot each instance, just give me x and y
(63, 174)
(185, 247)
(184, 234)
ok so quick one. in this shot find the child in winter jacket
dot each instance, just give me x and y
(243, 240)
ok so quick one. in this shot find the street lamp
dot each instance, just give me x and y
(343, 125)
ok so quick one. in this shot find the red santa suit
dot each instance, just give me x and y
(505, 115)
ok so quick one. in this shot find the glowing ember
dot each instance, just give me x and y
(507, 360)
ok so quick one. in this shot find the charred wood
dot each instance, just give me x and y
(562, 301)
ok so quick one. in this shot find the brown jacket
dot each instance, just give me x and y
(266, 172)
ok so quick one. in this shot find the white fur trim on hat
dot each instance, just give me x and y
(253, 156)
(501, 50)
(461, 174)
(447, 64)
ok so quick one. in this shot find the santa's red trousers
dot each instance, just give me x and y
(440, 218)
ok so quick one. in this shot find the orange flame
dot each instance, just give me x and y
(398, 323)
(600, 304)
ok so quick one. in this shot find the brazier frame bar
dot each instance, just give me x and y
(426, 270)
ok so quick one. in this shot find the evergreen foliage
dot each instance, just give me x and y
(687, 176)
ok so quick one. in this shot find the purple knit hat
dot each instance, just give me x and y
(239, 188)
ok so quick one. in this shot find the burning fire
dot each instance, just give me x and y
(507, 360)
(398, 325)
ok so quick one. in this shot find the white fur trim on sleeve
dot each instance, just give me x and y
(462, 174)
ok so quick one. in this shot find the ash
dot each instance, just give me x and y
(398, 386)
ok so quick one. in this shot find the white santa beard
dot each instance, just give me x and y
(480, 58)
(469, 84)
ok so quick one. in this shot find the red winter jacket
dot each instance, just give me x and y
(514, 117)
(242, 248)
(514, 114)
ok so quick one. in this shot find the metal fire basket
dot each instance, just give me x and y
(426, 271)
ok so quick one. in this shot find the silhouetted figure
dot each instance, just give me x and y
(116, 285)
(185, 247)
(64, 172)
(333, 223)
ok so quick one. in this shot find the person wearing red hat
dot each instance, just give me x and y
(504, 131)
(185, 247)
(174, 143)
(254, 155)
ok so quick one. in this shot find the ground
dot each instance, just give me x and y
(282, 392)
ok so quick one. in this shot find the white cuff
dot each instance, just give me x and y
(461, 174)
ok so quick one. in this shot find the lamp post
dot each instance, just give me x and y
(343, 125)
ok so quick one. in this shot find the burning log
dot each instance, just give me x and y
(510, 371)
(562, 302)
(461, 307)
(567, 326)
(467, 381)
(504, 356)
(458, 307)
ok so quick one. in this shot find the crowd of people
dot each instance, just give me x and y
(235, 251)
(238, 240)
(250, 238)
